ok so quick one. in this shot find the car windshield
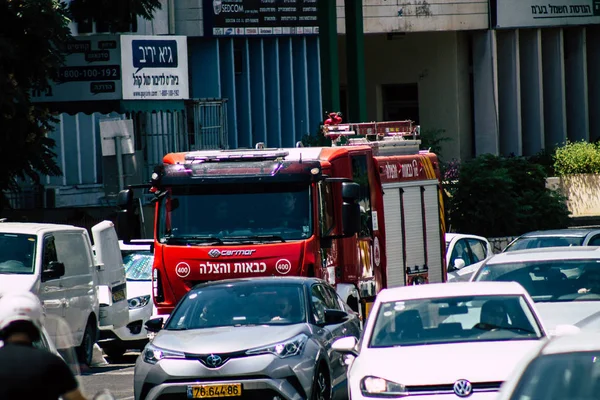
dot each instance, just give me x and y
(240, 304)
(574, 375)
(17, 253)
(453, 320)
(233, 213)
(138, 265)
(550, 281)
(524, 243)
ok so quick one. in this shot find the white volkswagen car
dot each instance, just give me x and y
(138, 260)
(567, 367)
(442, 341)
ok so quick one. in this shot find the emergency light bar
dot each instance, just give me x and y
(235, 156)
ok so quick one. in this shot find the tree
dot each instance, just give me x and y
(33, 34)
(33, 37)
(115, 14)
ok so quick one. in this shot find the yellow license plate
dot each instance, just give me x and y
(212, 391)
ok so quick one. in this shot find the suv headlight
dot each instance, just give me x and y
(288, 348)
(372, 386)
(138, 302)
(153, 354)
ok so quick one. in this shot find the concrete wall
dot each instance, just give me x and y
(381, 16)
(438, 62)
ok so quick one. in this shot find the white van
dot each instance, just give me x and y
(56, 262)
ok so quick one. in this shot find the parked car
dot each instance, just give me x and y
(57, 263)
(563, 368)
(138, 260)
(442, 340)
(465, 254)
(564, 282)
(555, 238)
(260, 338)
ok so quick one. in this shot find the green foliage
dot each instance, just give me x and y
(117, 14)
(316, 140)
(497, 196)
(32, 36)
(433, 140)
(577, 158)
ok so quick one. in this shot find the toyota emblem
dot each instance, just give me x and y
(463, 388)
(214, 253)
(214, 361)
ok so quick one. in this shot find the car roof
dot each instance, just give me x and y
(134, 246)
(35, 228)
(450, 236)
(442, 290)
(575, 232)
(583, 341)
(546, 254)
(263, 280)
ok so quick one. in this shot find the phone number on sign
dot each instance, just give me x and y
(70, 74)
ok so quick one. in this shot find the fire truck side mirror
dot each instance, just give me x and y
(125, 200)
(350, 209)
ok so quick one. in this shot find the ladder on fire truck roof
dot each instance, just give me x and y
(386, 138)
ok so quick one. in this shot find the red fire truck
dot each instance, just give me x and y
(364, 214)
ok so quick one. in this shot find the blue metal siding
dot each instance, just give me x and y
(300, 87)
(315, 103)
(288, 131)
(272, 93)
(276, 95)
(228, 87)
(257, 91)
(243, 103)
(205, 74)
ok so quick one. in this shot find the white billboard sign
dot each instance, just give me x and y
(121, 67)
(92, 71)
(154, 67)
(539, 13)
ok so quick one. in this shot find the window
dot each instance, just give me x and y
(319, 304)
(360, 175)
(400, 102)
(478, 249)
(461, 251)
(326, 210)
(49, 251)
(72, 251)
(595, 241)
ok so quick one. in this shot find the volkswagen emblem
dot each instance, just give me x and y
(463, 388)
(214, 253)
(214, 361)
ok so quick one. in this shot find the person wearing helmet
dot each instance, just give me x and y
(27, 372)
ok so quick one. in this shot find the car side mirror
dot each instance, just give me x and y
(565, 329)
(458, 264)
(55, 270)
(154, 324)
(346, 345)
(350, 209)
(333, 317)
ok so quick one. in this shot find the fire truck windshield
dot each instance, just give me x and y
(209, 214)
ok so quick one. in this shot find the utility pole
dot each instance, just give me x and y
(355, 61)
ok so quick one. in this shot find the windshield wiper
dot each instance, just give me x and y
(253, 238)
(193, 240)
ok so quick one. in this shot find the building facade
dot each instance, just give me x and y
(502, 77)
